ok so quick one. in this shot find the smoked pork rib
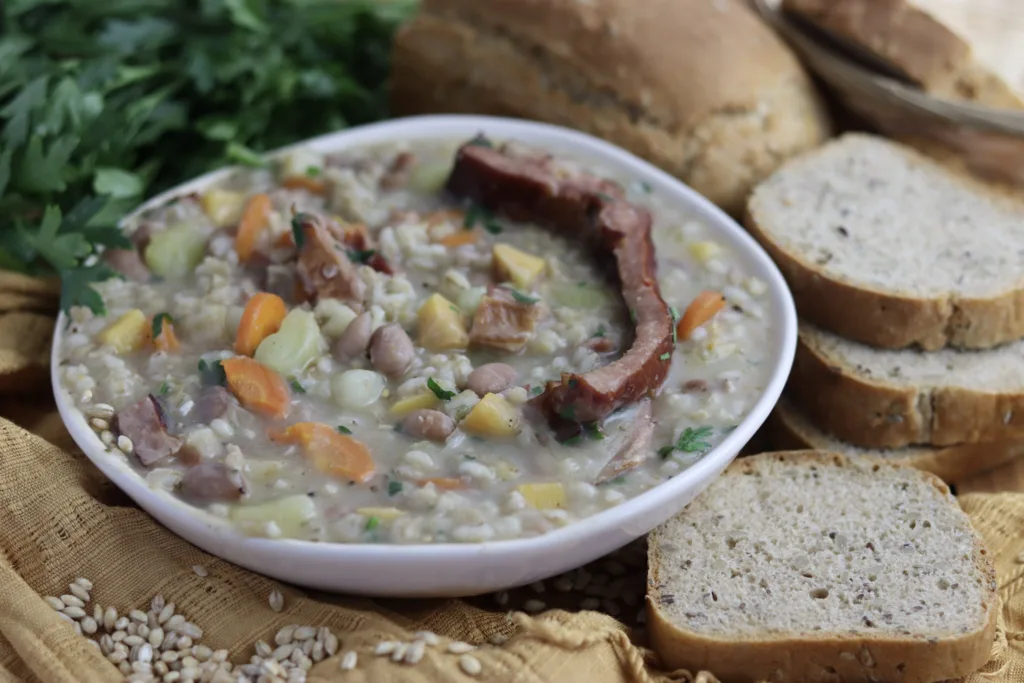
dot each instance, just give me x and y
(593, 210)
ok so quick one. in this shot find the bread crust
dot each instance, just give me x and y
(870, 412)
(915, 42)
(885, 319)
(788, 430)
(825, 657)
(612, 68)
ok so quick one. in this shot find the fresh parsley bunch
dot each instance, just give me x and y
(104, 102)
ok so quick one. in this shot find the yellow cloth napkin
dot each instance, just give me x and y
(61, 519)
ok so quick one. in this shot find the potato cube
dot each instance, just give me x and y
(544, 495)
(403, 407)
(705, 251)
(492, 416)
(384, 514)
(290, 514)
(513, 265)
(127, 333)
(440, 325)
(223, 207)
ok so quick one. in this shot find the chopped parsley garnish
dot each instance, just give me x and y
(480, 141)
(165, 388)
(690, 441)
(537, 391)
(361, 255)
(573, 440)
(646, 187)
(372, 523)
(632, 315)
(567, 412)
(158, 323)
(519, 297)
(313, 171)
(344, 430)
(479, 214)
(594, 431)
(212, 373)
(394, 487)
(621, 479)
(441, 393)
(573, 382)
(297, 234)
(601, 331)
(665, 356)
(299, 389)
(675, 323)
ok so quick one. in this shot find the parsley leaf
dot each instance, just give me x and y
(394, 487)
(344, 430)
(297, 232)
(519, 297)
(479, 214)
(442, 394)
(212, 373)
(297, 387)
(372, 523)
(361, 255)
(158, 323)
(690, 441)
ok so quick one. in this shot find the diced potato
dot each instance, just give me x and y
(299, 162)
(265, 471)
(404, 406)
(440, 325)
(127, 333)
(492, 416)
(705, 251)
(290, 514)
(513, 265)
(383, 514)
(334, 317)
(354, 389)
(224, 207)
(429, 178)
(544, 495)
(175, 251)
(294, 346)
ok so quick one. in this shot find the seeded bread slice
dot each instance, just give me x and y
(880, 398)
(932, 43)
(886, 246)
(811, 566)
(790, 429)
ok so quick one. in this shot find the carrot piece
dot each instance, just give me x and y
(460, 238)
(304, 182)
(702, 309)
(262, 317)
(255, 219)
(166, 340)
(443, 483)
(257, 387)
(329, 451)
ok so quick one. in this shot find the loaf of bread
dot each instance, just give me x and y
(807, 567)
(878, 398)
(705, 90)
(953, 49)
(789, 429)
(883, 245)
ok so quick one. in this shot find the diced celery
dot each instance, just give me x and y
(354, 389)
(223, 207)
(429, 178)
(175, 251)
(290, 514)
(334, 317)
(469, 299)
(300, 162)
(294, 346)
(575, 295)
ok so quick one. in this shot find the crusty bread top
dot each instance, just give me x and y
(810, 544)
(989, 371)
(648, 54)
(878, 215)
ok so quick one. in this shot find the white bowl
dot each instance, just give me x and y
(452, 569)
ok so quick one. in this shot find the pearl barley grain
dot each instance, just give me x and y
(470, 665)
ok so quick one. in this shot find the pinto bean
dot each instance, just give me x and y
(353, 341)
(492, 378)
(210, 482)
(391, 350)
(128, 263)
(212, 403)
(432, 425)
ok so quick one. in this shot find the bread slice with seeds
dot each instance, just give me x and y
(886, 246)
(811, 566)
(789, 429)
(886, 398)
(935, 44)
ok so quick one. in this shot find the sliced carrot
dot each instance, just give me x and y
(166, 340)
(443, 483)
(329, 451)
(255, 219)
(262, 317)
(702, 309)
(257, 387)
(460, 238)
(304, 182)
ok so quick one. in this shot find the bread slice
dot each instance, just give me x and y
(613, 68)
(878, 398)
(936, 43)
(810, 566)
(789, 429)
(883, 245)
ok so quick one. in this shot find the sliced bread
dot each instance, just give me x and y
(935, 43)
(879, 398)
(881, 244)
(811, 566)
(789, 429)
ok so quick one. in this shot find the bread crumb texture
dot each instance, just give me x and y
(790, 544)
